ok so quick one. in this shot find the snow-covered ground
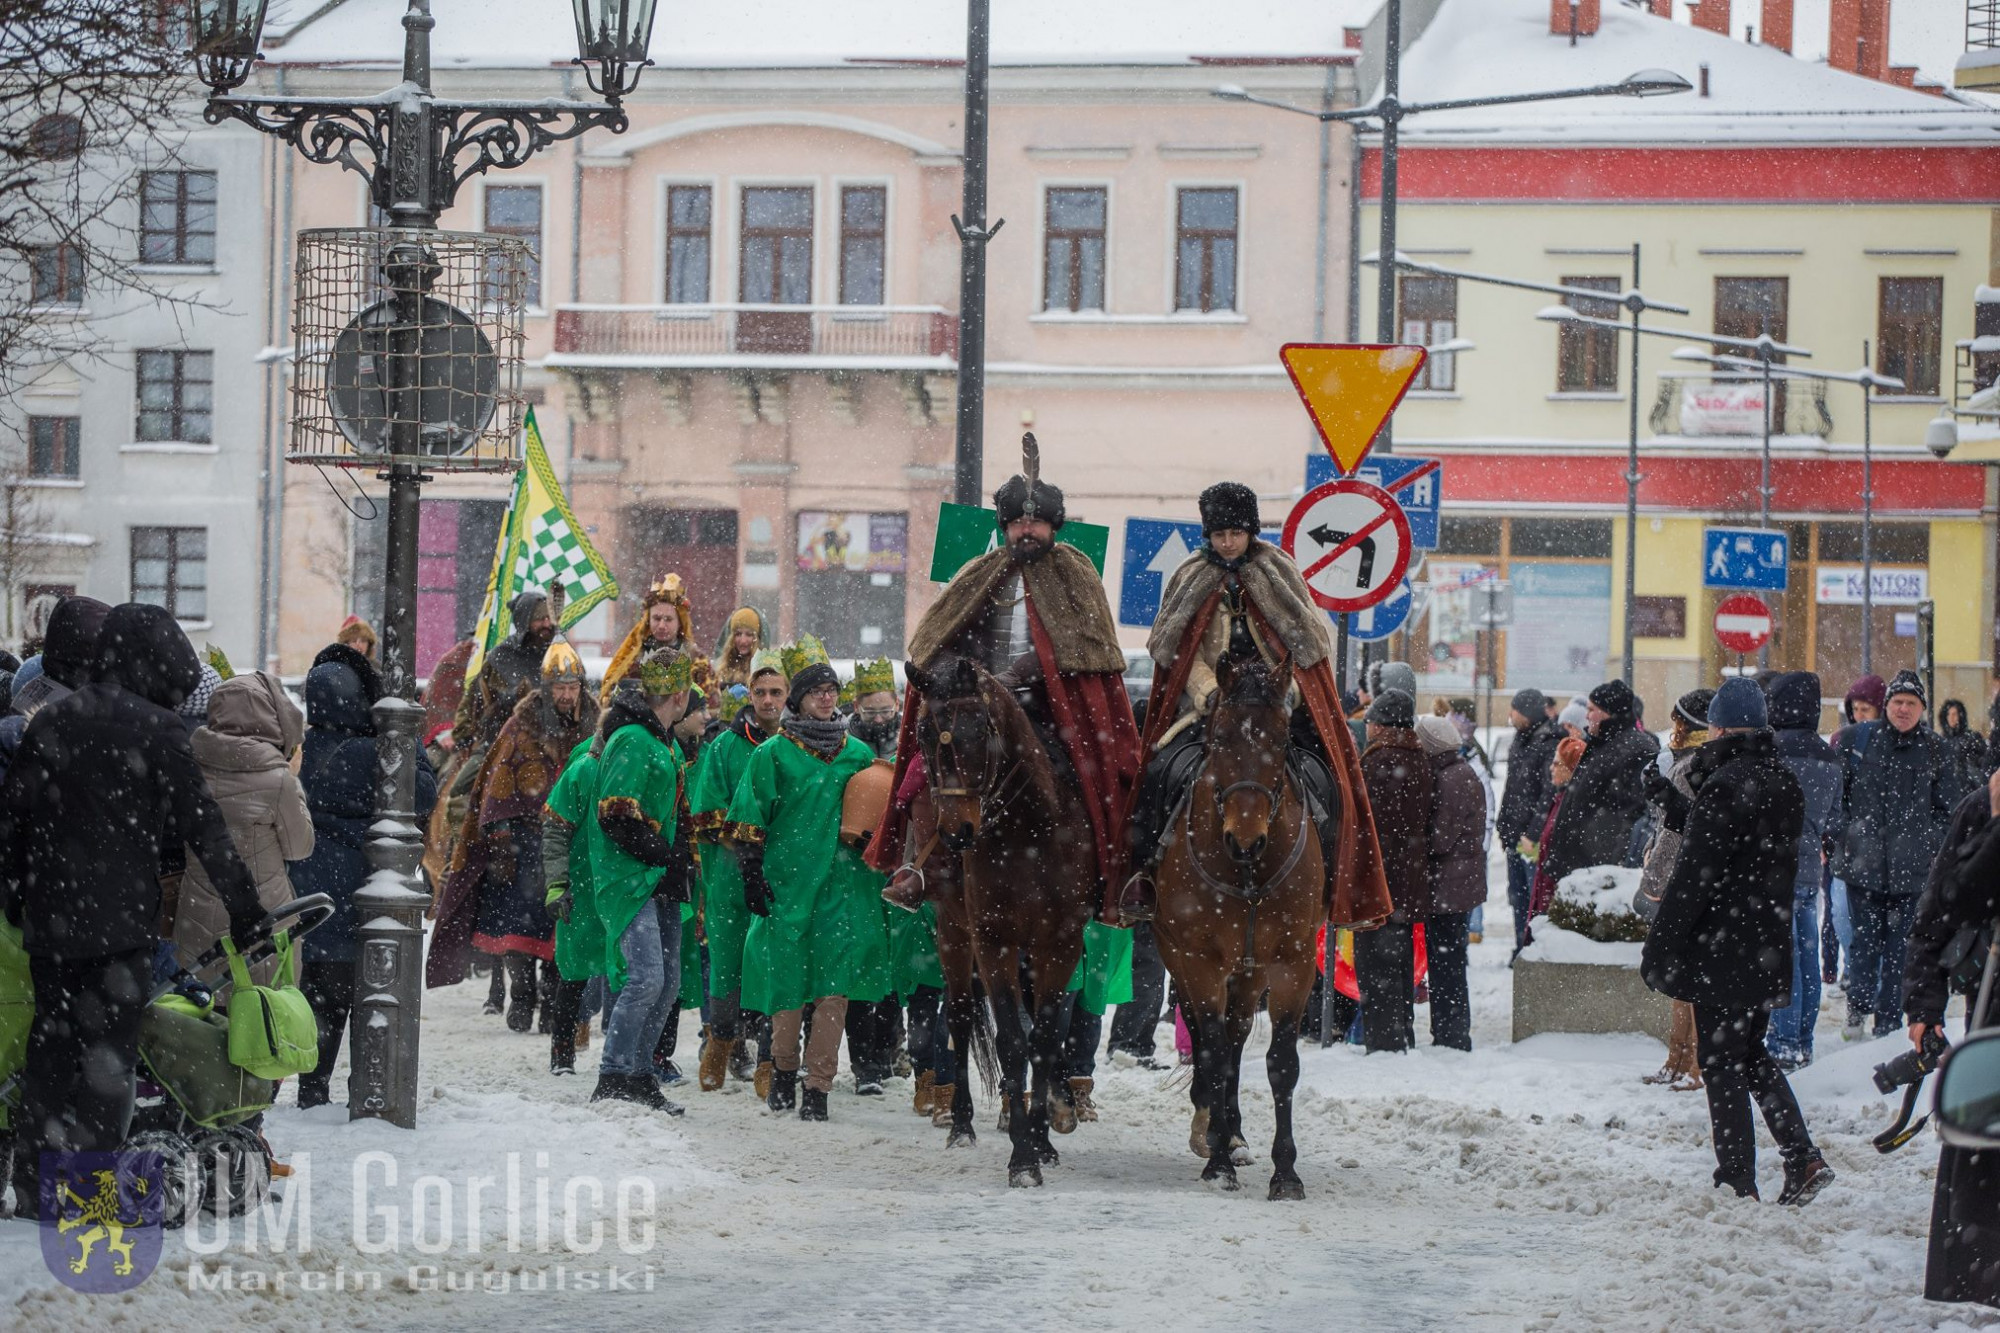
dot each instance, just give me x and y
(1536, 1186)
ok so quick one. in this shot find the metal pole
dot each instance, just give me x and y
(1765, 354)
(1392, 115)
(383, 1032)
(1631, 470)
(1867, 520)
(969, 486)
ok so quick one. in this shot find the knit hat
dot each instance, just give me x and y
(1229, 504)
(195, 706)
(1905, 682)
(1398, 676)
(1738, 705)
(1530, 703)
(1614, 697)
(1793, 701)
(1393, 708)
(808, 680)
(1574, 715)
(1692, 707)
(1437, 735)
(1867, 690)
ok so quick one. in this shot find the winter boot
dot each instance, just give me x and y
(784, 1090)
(714, 1067)
(496, 991)
(941, 1099)
(521, 980)
(762, 1079)
(1079, 1097)
(546, 996)
(562, 1052)
(742, 1061)
(926, 1085)
(907, 889)
(583, 1035)
(612, 1088)
(812, 1105)
(646, 1092)
(1805, 1180)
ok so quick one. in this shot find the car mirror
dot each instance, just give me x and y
(1968, 1093)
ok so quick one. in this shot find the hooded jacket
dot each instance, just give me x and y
(337, 771)
(1794, 700)
(68, 651)
(1900, 790)
(104, 783)
(1604, 799)
(1402, 791)
(244, 751)
(1525, 800)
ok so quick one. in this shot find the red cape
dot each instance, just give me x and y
(1093, 716)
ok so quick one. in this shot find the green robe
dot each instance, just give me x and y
(726, 920)
(825, 934)
(1105, 974)
(636, 766)
(579, 940)
(913, 951)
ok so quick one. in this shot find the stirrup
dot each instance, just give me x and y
(1133, 904)
(897, 892)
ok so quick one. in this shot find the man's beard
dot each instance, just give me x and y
(1026, 550)
(875, 735)
(539, 638)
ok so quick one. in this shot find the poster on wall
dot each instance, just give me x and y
(857, 543)
(1561, 636)
(1451, 663)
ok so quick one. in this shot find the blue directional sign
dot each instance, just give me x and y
(1384, 618)
(1419, 498)
(1154, 549)
(1744, 558)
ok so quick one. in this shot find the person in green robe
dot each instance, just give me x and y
(641, 865)
(724, 918)
(819, 937)
(566, 870)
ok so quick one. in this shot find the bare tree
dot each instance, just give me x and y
(91, 93)
(25, 539)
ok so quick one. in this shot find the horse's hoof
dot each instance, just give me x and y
(961, 1138)
(1239, 1152)
(1198, 1135)
(1221, 1175)
(1287, 1190)
(1024, 1177)
(1062, 1117)
(1046, 1154)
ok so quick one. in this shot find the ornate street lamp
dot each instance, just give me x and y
(409, 364)
(613, 35)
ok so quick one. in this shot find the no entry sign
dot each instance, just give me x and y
(1352, 543)
(1742, 623)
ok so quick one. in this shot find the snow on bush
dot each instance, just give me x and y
(1596, 902)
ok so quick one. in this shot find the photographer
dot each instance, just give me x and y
(1948, 947)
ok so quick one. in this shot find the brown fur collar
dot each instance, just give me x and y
(1068, 597)
(1274, 587)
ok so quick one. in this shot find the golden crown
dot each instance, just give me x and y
(666, 671)
(874, 677)
(796, 657)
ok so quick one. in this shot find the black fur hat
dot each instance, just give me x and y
(1229, 504)
(1025, 494)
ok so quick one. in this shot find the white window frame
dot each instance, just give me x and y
(1169, 303)
(716, 241)
(887, 184)
(540, 309)
(737, 184)
(1041, 309)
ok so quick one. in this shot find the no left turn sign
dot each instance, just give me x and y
(1352, 544)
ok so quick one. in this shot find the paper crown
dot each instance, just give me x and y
(666, 671)
(767, 659)
(561, 662)
(874, 677)
(796, 657)
(667, 589)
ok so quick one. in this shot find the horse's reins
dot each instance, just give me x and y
(992, 796)
(1250, 894)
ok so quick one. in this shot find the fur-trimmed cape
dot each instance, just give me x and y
(1068, 597)
(1274, 587)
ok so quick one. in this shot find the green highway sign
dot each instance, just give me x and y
(966, 532)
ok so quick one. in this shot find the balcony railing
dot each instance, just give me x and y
(1706, 405)
(693, 335)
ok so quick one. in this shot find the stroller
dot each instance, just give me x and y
(194, 1106)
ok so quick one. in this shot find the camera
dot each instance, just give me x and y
(1912, 1065)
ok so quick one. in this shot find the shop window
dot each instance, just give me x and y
(1468, 536)
(1892, 543)
(1574, 538)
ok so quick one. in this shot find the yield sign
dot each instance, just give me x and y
(1351, 542)
(1350, 389)
(1742, 623)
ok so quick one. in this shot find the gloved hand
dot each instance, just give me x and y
(1529, 851)
(561, 903)
(757, 896)
(247, 929)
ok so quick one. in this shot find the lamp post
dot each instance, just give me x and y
(1391, 111)
(1636, 303)
(415, 149)
(970, 460)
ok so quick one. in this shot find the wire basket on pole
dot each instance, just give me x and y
(409, 345)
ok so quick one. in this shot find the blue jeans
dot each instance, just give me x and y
(1520, 889)
(651, 947)
(1875, 972)
(1791, 1036)
(1081, 1032)
(1840, 909)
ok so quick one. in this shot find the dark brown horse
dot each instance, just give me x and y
(1015, 908)
(1241, 900)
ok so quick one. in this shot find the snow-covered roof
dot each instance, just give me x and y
(730, 34)
(1757, 94)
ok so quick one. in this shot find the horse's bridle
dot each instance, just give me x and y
(1250, 894)
(991, 795)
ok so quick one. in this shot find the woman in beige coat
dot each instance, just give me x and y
(245, 751)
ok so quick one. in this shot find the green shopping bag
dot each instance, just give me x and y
(272, 1031)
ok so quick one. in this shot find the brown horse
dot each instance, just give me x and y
(1016, 907)
(1241, 899)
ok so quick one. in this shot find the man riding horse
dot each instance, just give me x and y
(1034, 614)
(1240, 599)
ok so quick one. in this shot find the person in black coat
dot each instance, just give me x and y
(1524, 800)
(1606, 797)
(104, 784)
(1960, 899)
(1722, 940)
(337, 770)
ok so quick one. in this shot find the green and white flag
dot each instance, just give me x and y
(541, 546)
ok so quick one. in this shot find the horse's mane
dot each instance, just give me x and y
(1255, 685)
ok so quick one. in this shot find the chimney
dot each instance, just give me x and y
(1587, 16)
(1858, 37)
(1663, 9)
(1778, 24)
(1711, 14)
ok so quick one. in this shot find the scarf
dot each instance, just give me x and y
(822, 738)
